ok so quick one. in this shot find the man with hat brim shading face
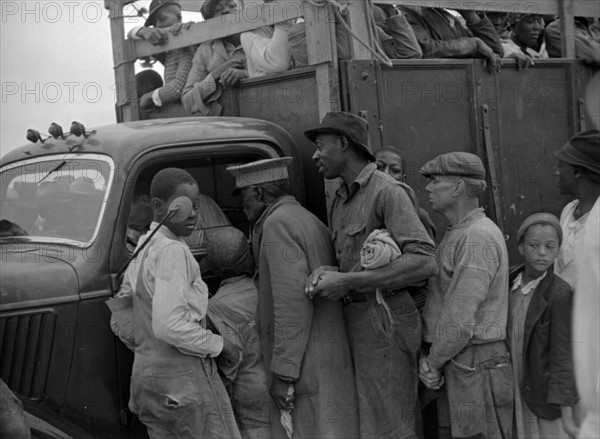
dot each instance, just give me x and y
(578, 263)
(218, 65)
(304, 341)
(467, 306)
(165, 14)
(384, 349)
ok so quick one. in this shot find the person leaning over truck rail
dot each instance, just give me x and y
(394, 34)
(587, 40)
(304, 341)
(384, 344)
(525, 39)
(164, 14)
(578, 175)
(441, 35)
(218, 64)
(267, 49)
(467, 305)
(175, 389)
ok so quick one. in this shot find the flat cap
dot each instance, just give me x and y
(545, 219)
(260, 171)
(459, 164)
(583, 149)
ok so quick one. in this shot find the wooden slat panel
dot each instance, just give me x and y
(250, 18)
(586, 8)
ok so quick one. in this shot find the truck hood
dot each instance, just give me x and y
(35, 276)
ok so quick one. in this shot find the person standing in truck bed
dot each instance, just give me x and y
(165, 14)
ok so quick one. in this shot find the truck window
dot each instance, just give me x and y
(60, 199)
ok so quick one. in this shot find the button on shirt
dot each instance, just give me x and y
(374, 201)
(171, 276)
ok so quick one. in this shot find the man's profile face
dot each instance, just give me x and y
(440, 190)
(253, 205)
(329, 155)
(565, 178)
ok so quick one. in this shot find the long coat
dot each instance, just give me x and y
(303, 338)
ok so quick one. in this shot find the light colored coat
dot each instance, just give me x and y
(302, 338)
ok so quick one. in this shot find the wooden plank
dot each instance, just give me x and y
(357, 16)
(585, 8)
(567, 28)
(321, 46)
(126, 92)
(252, 17)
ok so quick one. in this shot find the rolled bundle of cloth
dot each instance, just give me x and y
(378, 250)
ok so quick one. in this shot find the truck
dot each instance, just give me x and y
(72, 192)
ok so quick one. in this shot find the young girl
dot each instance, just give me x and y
(539, 332)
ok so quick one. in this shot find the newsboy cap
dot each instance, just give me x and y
(260, 171)
(155, 6)
(583, 149)
(208, 9)
(459, 164)
(349, 125)
(545, 219)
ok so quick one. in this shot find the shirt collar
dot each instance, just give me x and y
(361, 180)
(471, 216)
(529, 286)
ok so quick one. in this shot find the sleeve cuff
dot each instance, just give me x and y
(156, 98)
(133, 33)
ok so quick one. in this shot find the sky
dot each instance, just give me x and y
(56, 66)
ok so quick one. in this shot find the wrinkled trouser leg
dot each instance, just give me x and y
(480, 392)
(385, 362)
(190, 406)
(12, 418)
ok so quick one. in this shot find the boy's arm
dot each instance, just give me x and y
(171, 91)
(170, 307)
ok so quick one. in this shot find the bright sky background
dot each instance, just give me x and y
(56, 66)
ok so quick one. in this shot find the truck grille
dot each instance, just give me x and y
(25, 347)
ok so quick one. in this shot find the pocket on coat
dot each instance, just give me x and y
(501, 383)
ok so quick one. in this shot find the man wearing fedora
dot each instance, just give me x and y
(467, 307)
(578, 263)
(384, 335)
(304, 342)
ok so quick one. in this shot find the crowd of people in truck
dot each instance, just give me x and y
(198, 76)
(364, 329)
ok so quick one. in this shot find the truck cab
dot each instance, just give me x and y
(72, 196)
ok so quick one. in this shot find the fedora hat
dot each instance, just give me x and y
(154, 7)
(348, 125)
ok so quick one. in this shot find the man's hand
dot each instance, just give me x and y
(178, 27)
(492, 59)
(146, 101)
(330, 285)
(231, 77)
(231, 64)
(523, 61)
(155, 36)
(279, 393)
(313, 278)
(230, 354)
(431, 377)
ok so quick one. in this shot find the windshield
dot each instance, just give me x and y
(58, 199)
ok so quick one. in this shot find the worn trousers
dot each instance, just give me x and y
(190, 405)
(479, 391)
(384, 352)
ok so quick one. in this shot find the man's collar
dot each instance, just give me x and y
(361, 180)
